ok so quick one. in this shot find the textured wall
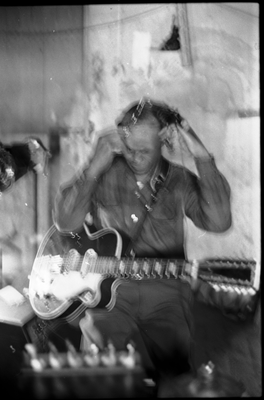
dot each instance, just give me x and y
(71, 70)
(74, 69)
(40, 65)
(40, 71)
(218, 93)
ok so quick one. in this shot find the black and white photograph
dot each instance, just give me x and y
(130, 201)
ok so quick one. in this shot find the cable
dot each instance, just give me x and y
(235, 9)
(128, 18)
(13, 33)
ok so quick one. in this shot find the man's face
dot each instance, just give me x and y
(142, 147)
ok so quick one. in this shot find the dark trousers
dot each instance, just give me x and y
(157, 316)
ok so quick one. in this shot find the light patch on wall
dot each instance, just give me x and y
(80, 108)
(141, 50)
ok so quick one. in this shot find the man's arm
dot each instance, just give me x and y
(74, 201)
(207, 199)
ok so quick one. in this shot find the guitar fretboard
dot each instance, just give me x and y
(241, 272)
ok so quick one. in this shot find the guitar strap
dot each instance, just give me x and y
(159, 182)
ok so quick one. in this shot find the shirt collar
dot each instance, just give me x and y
(159, 174)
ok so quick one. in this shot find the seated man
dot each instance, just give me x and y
(128, 185)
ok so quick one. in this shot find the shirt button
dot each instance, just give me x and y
(134, 218)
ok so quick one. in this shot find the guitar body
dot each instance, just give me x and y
(57, 246)
(104, 242)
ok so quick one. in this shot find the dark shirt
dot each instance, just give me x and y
(116, 201)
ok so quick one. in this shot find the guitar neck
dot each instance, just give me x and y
(234, 271)
(138, 268)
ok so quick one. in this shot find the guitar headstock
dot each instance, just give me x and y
(232, 271)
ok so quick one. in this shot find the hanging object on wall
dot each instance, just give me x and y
(173, 42)
(18, 159)
(7, 169)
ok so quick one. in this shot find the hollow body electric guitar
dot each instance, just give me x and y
(73, 272)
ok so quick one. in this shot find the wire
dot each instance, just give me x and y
(130, 17)
(235, 9)
(53, 31)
